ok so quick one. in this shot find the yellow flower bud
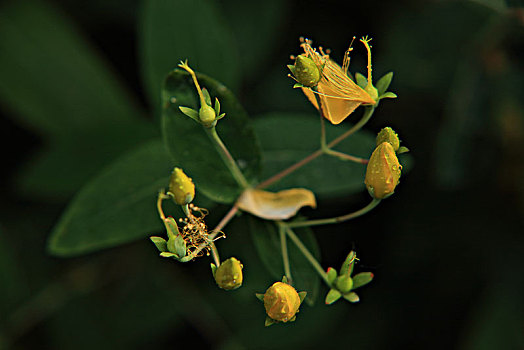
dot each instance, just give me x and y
(181, 187)
(388, 135)
(383, 171)
(229, 274)
(281, 302)
(207, 115)
(305, 70)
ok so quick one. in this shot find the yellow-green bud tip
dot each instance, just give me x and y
(281, 302)
(388, 135)
(181, 187)
(228, 275)
(305, 71)
(383, 171)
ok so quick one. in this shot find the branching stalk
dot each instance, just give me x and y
(307, 254)
(368, 112)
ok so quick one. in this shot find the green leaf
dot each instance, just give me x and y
(160, 243)
(332, 296)
(168, 255)
(117, 206)
(361, 279)
(361, 80)
(287, 138)
(402, 149)
(384, 82)
(57, 85)
(348, 264)
(388, 94)
(180, 246)
(331, 274)
(190, 112)
(267, 243)
(185, 29)
(352, 297)
(190, 146)
(51, 77)
(255, 19)
(207, 98)
(302, 295)
(78, 158)
(269, 321)
(13, 289)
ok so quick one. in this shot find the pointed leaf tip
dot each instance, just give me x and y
(332, 296)
(384, 82)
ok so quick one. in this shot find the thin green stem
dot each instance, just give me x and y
(160, 198)
(336, 219)
(187, 212)
(214, 253)
(285, 256)
(344, 156)
(305, 252)
(227, 158)
(322, 127)
(368, 112)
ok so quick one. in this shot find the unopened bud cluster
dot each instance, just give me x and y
(343, 284)
(383, 170)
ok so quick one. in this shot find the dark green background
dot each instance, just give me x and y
(446, 249)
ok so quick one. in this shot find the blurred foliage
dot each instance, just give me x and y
(446, 251)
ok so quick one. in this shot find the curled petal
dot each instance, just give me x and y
(276, 205)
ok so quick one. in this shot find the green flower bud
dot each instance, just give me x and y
(305, 70)
(388, 135)
(181, 187)
(383, 171)
(207, 115)
(281, 302)
(228, 275)
(344, 283)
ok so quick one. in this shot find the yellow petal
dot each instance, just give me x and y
(276, 205)
(339, 95)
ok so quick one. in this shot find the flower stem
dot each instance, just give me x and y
(214, 253)
(227, 158)
(368, 112)
(305, 252)
(285, 256)
(344, 156)
(336, 219)
(160, 198)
